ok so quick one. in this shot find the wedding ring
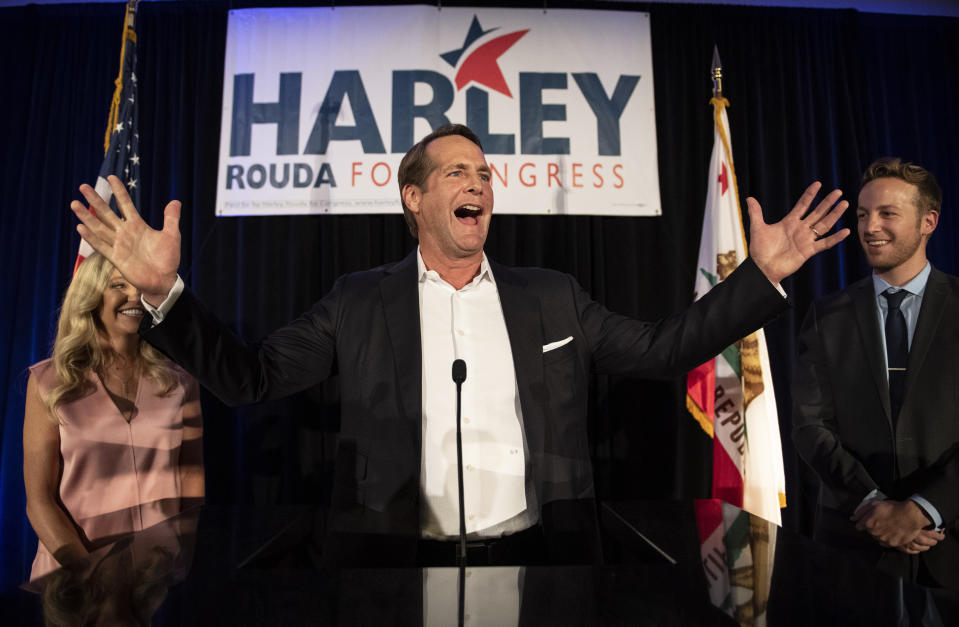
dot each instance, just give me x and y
(813, 229)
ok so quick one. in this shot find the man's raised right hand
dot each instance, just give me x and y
(147, 258)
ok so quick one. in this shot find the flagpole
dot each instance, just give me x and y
(122, 140)
(129, 33)
(717, 74)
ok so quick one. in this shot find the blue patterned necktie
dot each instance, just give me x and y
(897, 349)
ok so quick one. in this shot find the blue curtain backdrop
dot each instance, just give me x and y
(815, 94)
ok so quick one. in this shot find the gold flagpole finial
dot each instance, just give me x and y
(717, 74)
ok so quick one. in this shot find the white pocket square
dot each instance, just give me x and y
(554, 345)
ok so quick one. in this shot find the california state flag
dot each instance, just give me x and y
(731, 395)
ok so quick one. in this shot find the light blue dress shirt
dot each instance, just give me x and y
(910, 310)
(910, 304)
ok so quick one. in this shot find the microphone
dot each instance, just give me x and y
(459, 376)
(459, 372)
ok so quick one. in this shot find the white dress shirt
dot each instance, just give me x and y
(468, 324)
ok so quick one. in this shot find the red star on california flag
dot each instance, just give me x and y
(723, 180)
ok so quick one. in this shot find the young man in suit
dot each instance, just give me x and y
(876, 411)
(530, 338)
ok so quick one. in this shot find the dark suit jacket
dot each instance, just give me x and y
(843, 426)
(367, 329)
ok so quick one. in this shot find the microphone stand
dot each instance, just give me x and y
(459, 376)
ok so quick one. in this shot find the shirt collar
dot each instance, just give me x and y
(422, 274)
(916, 286)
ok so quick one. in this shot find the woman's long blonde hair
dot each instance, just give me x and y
(77, 348)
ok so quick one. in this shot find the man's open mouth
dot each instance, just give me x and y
(468, 214)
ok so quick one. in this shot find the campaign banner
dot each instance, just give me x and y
(321, 104)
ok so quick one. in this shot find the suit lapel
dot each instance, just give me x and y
(521, 311)
(927, 326)
(864, 302)
(402, 305)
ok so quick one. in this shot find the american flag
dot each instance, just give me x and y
(121, 143)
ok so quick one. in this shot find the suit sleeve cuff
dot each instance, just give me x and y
(928, 509)
(159, 313)
(874, 495)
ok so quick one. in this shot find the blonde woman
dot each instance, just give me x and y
(112, 431)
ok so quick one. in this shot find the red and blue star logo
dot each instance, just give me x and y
(481, 66)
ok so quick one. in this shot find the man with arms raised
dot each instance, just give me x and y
(875, 409)
(530, 338)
